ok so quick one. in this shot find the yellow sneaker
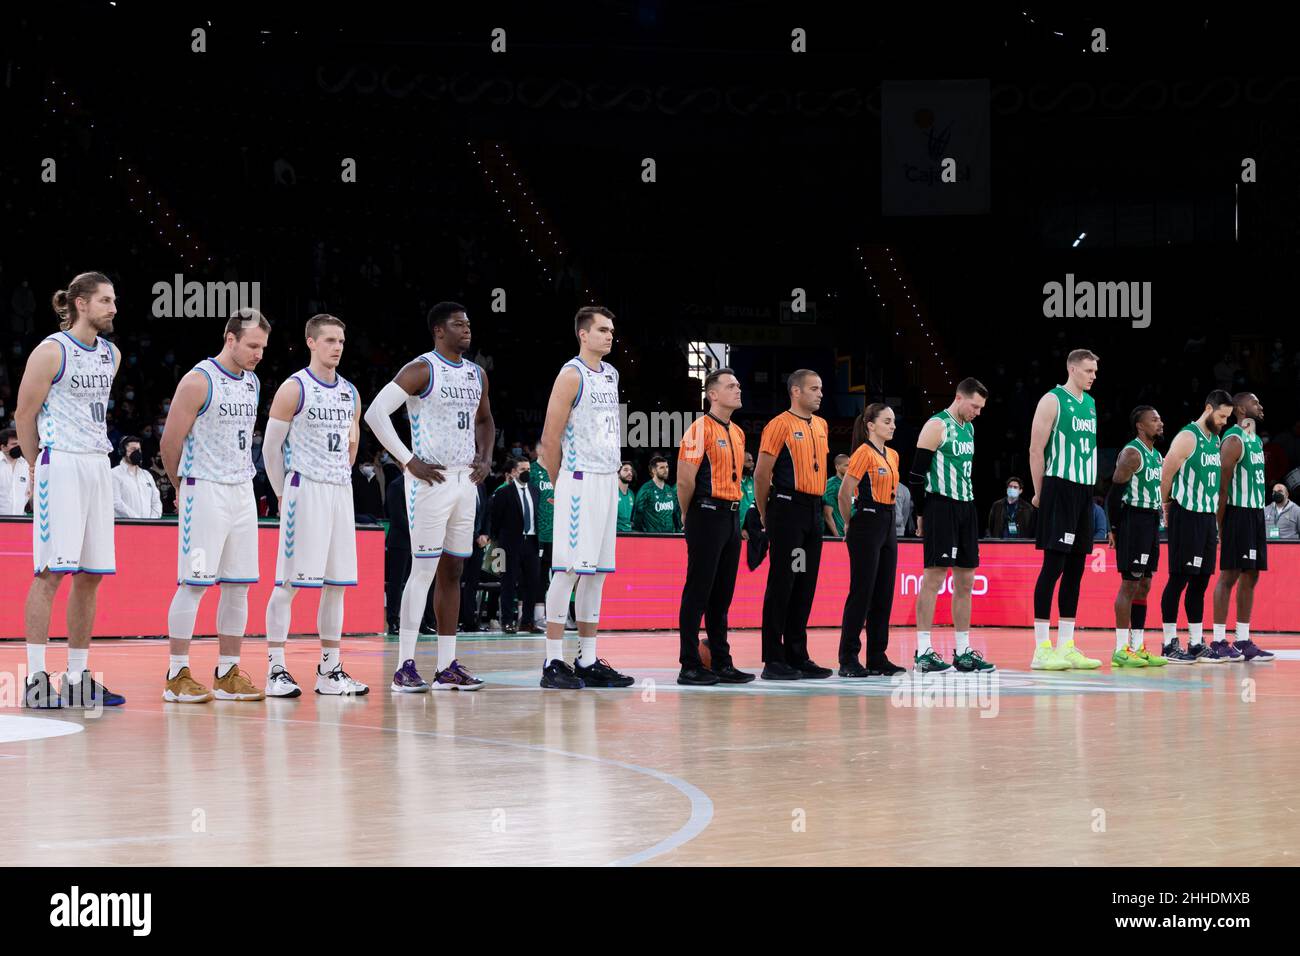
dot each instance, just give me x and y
(184, 689)
(1126, 658)
(1153, 660)
(1075, 658)
(1047, 659)
(235, 686)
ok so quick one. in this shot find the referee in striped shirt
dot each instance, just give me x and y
(788, 486)
(709, 464)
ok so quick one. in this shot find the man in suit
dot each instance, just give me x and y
(513, 522)
(469, 577)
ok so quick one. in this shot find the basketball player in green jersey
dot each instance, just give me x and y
(1189, 489)
(1063, 462)
(1241, 526)
(1134, 508)
(946, 520)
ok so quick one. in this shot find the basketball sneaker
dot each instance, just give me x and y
(930, 662)
(88, 694)
(883, 668)
(407, 680)
(1153, 660)
(972, 662)
(337, 683)
(1078, 660)
(235, 686)
(600, 674)
(1176, 655)
(455, 677)
(1048, 659)
(1253, 653)
(558, 675)
(184, 689)
(40, 693)
(1227, 651)
(280, 683)
(1124, 657)
(1206, 654)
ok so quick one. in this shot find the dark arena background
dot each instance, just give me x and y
(882, 196)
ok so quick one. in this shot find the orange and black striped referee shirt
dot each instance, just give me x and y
(718, 447)
(800, 446)
(875, 474)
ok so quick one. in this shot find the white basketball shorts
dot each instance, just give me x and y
(216, 541)
(318, 535)
(440, 515)
(72, 513)
(586, 522)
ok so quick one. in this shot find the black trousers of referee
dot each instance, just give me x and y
(794, 521)
(712, 558)
(873, 559)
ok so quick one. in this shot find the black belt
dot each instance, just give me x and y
(802, 497)
(717, 502)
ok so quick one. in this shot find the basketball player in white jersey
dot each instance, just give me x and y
(62, 405)
(582, 445)
(207, 449)
(309, 448)
(446, 399)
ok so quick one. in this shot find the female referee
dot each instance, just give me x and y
(872, 543)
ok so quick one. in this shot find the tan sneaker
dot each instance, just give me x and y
(184, 689)
(235, 686)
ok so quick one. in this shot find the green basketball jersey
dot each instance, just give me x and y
(1247, 488)
(950, 467)
(538, 478)
(1143, 489)
(1196, 486)
(1072, 449)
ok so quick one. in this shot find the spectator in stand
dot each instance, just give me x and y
(397, 560)
(134, 493)
(512, 522)
(368, 487)
(626, 497)
(1012, 516)
(1100, 523)
(656, 508)
(904, 526)
(473, 569)
(15, 475)
(1282, 516)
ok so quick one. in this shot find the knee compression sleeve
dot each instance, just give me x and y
(278, 610)
(557, 596)
(184, 609)
(415, 595)
(329, 617)
(232, 610)
(586, 602)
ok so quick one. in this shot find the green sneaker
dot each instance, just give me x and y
(1126, 658)
(930, 662)
(1153, 660)
(972, 662)
(1047, 659)
(1077, 660)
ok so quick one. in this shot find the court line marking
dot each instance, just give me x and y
(701, 814)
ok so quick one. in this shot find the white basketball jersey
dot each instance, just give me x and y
(72, 417)
(442, 416)
(592, 440)
(219, 446)
(317, 446)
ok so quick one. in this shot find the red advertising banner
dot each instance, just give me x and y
(134, 601)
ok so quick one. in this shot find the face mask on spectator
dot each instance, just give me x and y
(516, 452)
(17, 452)
(135, 458)
(1013, 493)
(111, 403)
(130, 395)
(1278, 497)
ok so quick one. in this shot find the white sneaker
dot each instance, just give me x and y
(280, 683)
(337, 682)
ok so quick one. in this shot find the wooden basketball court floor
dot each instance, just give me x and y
(1194, 765)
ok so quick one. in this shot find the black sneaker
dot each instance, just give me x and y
(1176, 655)
(559, 675)
(88, 694)
(40, 693)
(509, 628)
(778, 670)
(854, 669)
(727, 674)
(810, 670)
(884, 668)
(600, 674)
(697, 677)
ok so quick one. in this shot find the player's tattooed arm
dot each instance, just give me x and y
(485, 436)
(42, 366)
(191, 395)
(1179, 451)
(563, 392)
(1039, 434)
(1230, 451)
(1126, 466)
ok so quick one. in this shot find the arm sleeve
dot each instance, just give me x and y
(273, 453)
(916, 480)
(1113, 502)
(379, 416)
